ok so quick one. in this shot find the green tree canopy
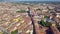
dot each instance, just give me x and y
(14, 32)
(21, 11)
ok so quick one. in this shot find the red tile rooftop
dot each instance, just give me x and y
(26, 25)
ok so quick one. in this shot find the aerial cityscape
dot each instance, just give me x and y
(29, 17)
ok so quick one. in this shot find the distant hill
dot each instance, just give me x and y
(36, 2)
(24, 1)
(40, 2)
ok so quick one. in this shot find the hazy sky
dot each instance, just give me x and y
(34, 0)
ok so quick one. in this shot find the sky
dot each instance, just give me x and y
(38, 0)
(33, 0)
(28, 0)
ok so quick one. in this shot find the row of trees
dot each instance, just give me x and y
(13, 32)
(48, 24)
(21, 11)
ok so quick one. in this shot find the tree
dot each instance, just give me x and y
(14, 32)
(45, 24)
(21, 11)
